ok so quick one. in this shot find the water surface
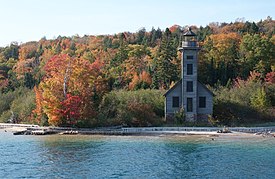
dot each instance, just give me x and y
(136, 157)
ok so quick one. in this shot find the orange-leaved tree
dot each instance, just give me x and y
(143, 81)
(68, 90)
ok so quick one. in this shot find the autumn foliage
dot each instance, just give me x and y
(68, 89)
(142, 81)
(70, 77)
(71, 109)
(270, 78)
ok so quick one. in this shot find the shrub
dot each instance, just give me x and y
(7, 98)
(260, 100)
(5, 116)
(23, 106)
(132, 108)
(19, 102)
(227, 113)
(137, 114)
(245, 102)
(180, 116)
(271, 93)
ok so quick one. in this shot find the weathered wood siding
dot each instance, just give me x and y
(203, 92)
(190, 116)
(169, 103)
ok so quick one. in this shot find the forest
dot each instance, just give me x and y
(120, 79)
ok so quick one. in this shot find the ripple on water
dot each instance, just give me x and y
(135, 157)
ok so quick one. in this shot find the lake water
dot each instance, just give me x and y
(136, 157)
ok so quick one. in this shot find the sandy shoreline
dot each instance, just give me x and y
(28, 129)
(209, 134)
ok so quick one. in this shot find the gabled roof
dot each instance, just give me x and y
(173, 87)
(179, 83)
(210, 92)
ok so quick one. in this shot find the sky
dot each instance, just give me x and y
(31, 20)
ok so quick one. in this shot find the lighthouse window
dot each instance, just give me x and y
(189, 86)
(189, 57)
(189, 69)
(202, 102)
(175, 102)
(189, 104)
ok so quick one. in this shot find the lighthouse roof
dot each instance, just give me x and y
(189, 32)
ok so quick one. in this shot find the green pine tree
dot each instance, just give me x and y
(260, 99)
(165, 69)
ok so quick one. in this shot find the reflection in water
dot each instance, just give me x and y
(69, 155)
(134, 157)
(181, 157)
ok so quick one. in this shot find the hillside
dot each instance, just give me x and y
(68, 80)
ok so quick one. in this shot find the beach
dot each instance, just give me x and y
(29, 129)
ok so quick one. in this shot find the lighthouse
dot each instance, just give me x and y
(189, 94)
